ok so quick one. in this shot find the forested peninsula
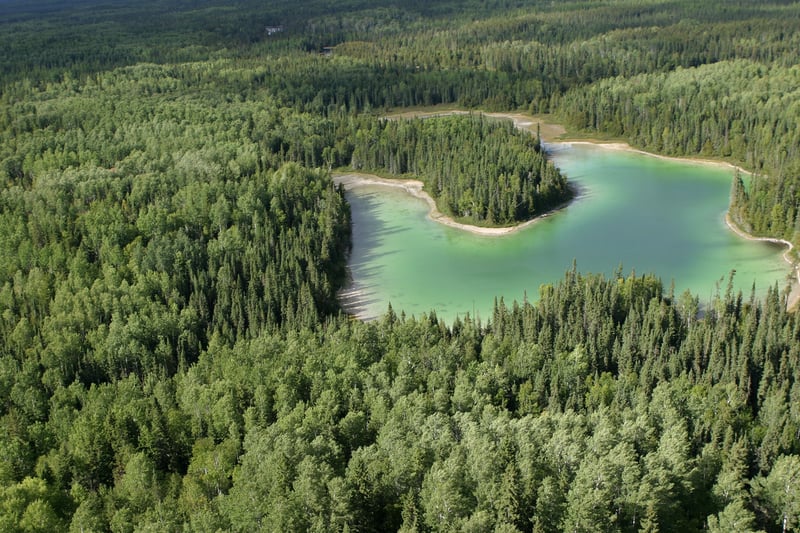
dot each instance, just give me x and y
(173, 356)
(476, 169)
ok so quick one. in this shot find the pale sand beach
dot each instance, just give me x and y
(414, 188)
(625, 147)
(794, 293)
(549, 131)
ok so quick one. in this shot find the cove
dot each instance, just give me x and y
(635, 211)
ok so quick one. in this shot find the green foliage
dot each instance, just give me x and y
(32, 505)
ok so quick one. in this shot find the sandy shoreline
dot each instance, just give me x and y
(794, 294)
(625, 147)
(549, 131)
(414, 187)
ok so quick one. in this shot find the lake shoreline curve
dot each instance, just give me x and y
(794, 294)
(415, 188)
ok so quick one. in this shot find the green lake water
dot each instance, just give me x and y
(637, 212)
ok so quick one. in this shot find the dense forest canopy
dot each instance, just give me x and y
(172, 353)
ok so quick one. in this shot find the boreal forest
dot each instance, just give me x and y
(173, 355)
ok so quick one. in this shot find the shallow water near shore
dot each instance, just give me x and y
(637, 212)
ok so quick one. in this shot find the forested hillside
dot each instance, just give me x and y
(172, 353)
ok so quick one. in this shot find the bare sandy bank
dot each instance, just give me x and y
(414, 187)
(625, 147)
(794, 294)
(549, 130)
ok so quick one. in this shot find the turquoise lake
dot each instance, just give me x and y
(634, 211)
